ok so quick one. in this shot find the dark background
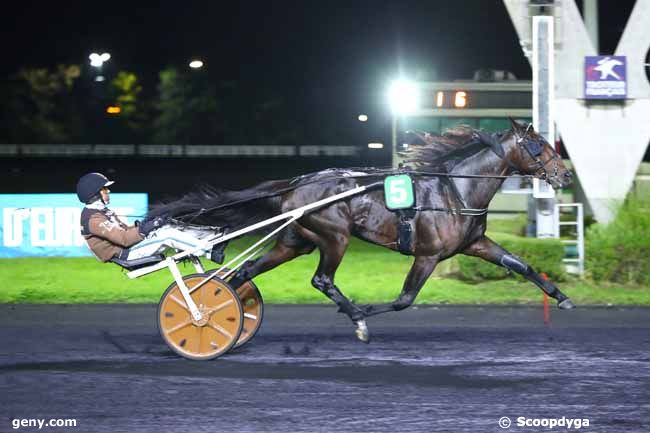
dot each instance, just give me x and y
(328, 61)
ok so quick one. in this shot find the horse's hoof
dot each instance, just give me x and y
(362, 331)
(566, 305)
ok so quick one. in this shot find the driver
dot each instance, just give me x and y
(108, 237)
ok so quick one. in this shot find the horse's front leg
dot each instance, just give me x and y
(489, 250)
(421, 270)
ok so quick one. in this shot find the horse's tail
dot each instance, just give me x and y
(231, 209)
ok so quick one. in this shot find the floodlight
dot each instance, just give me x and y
(362, 118)
(196, 64)
(97, 60)
(403, 97)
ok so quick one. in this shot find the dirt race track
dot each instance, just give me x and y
(453, 369)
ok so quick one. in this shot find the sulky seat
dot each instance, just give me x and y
(132, 265)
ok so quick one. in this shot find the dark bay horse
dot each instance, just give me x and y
(449, 217)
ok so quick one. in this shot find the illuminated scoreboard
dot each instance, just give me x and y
(442, 105)
(475, 99)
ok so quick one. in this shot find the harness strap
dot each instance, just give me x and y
(405, 231)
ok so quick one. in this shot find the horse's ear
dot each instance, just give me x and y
(492, 142)
(516, 126)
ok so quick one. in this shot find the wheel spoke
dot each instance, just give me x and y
(246, 288)
(200, 332)
(178, 301)
(250, 316)
(220, 307)
(220, 330)
(179, 326)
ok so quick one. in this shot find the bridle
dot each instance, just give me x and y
(534, 150)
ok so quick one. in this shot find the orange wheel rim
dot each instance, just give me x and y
(253, 310)
(216, 333)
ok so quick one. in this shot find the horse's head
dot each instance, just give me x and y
(531, 154)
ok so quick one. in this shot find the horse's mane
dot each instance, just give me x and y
(442, 152)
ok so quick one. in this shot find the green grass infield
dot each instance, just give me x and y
(368, 274)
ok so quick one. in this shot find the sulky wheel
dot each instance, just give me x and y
(253, 305)
(220, 327)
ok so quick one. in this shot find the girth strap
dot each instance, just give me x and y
(405, 231)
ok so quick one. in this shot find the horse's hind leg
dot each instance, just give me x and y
(422, 268)
(489, 250)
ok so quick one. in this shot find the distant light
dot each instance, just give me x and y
(98, 60)
(112, 109)
(403, 97)
(375, 145)
(405, 145)
(460, 99)
(196, 64)
(440, 99)
(362, 118)
(99, 78)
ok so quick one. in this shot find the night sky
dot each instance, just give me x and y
(320, 55)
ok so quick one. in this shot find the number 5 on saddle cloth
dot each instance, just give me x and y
(400, 198)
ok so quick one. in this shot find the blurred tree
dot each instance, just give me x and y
(192, 109)
(188, 111)
(125, 92)
(41, 107)
(275, 123)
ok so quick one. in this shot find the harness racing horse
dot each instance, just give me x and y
(455, 175)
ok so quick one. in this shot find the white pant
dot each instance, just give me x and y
(169, 237)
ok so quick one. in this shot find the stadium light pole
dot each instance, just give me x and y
(403, 99)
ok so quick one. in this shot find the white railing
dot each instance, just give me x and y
(171, 150)
(574, 265)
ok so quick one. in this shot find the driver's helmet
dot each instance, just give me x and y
(89, 185)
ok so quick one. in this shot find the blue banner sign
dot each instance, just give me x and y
(605, 77)
(48, 224)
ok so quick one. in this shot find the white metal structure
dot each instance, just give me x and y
(577, 264)
(543, 94)
(604, 140)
